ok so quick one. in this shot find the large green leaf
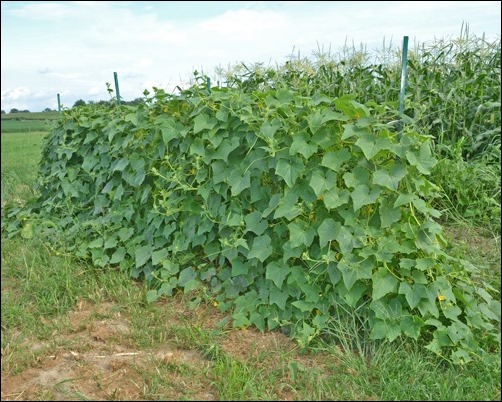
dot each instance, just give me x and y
(413, 293)
(301, 145)
(423, 159)
(289, 170)
(335, 159)
(255, 223)
(383, 283)
(362, 196)
(390, 178)
(277, 272)
(261, 248)
(371, 145)
(328, 230)
(278, 297)
(203, 122)
(300, 234)
(142, 255)
(388, 213)
(322, 181)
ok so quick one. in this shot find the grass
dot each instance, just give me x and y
(27, 122)
(53, 304)
(20, 155)
(30, 116)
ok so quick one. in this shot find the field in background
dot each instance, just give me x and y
(27, 122)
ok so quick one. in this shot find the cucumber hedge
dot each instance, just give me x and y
(283, 209)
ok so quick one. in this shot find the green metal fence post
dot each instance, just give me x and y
(59, 104)
(117, 87)
(404, 64)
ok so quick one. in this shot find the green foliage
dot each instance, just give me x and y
(452, 92)
(283, 207)
(470, 189)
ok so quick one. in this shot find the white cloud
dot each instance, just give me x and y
(15, 94)
(44, 11)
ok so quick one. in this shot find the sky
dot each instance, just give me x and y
(73, 48)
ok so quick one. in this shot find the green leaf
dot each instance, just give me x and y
(385, 330)
(389, 178)
(388, 214)
(255, 223)
(186, 275)
(301, 145)
(203, 122)
(261, 248)
(289, 170)
(300, 234)
(335, 159)
(288, 206)
(335, 197)
(349, 275)
(96, 243)
(413, 293)
(110, 243)
(351, 130)
(27, 231)
(328, 230)
(411, 326)
(371, 145)
(151, 296)
(450, 310)
(278, 297)
(121, 165)
(268, 130)
(345, 239)
(224, 149)
(159, 255)
(142, 254)
(362, 196)
(118, 255)
(352, 296)
(303, 305)
(383, 283)
(423, 160)
(238, 181)
(277, 273)
(169, 132)
(320, 181)
(358, 176)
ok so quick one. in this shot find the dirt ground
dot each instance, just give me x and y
(99, 362)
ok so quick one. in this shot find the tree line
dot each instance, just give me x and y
(81, 102)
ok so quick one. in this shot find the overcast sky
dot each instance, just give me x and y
(74, 47)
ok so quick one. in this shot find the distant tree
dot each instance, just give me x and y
(3, 112)
(103, 102)
(14, 110)
(25, 111)
(80, 102)
(47, 109)
(134, 102)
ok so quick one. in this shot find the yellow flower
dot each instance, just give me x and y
(215, 303)
(441, 298)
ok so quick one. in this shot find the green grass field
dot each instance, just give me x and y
(27, 122)
(20, 156)
(93, 331)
